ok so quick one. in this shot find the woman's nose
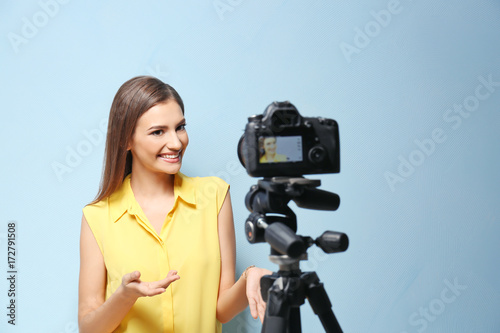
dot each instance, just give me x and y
(173, 142)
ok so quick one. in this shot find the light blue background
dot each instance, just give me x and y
(438, 226)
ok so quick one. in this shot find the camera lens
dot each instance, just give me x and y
(317, 154)
(241, 147)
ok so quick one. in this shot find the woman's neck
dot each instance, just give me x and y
(270, 156)
(151, 185)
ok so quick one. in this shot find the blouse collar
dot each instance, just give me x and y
(123, 200)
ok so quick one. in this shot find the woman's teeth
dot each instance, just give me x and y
(169, 156)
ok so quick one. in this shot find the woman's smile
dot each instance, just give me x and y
(170, 158)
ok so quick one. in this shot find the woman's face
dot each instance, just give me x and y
(270, 145)
(160, 139)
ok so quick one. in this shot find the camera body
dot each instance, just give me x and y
(281, 142)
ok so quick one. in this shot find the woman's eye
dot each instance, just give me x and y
(181, 127)
(157, 132)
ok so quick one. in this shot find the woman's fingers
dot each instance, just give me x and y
(173, 274)
(149, 291)
(252, 304)
(159, 287)
(253, 291)
(261, 308)
(262, 311)
(131, 277)
(134, 285)
(164, 283)
(255, 301)
(171, 277)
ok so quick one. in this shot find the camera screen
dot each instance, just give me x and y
(279, 149)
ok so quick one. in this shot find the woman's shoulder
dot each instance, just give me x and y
(117, 199)
(281, 158)
(207, 186)
(95, 207)
(203, 181)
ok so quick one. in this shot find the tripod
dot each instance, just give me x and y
(286, 290)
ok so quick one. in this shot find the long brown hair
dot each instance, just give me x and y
(132, 100)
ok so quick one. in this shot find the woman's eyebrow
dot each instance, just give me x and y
(155, 127)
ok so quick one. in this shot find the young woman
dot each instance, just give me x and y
(268, 154)
(157, 248)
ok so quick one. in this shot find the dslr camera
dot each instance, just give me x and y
(281, 142)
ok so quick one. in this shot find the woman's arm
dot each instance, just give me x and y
(96, 315)
(233, 297)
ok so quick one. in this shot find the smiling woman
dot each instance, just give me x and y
(149, 222)
(160, 139)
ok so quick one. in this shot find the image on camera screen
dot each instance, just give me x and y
(279, 149)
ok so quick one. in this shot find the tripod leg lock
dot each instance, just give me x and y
(316, 293)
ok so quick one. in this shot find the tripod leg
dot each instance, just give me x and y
(294, 324)
(320, 303)
(277, 309)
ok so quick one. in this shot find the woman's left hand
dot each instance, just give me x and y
(255, 301)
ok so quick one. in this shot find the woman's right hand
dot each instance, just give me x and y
(133, 286)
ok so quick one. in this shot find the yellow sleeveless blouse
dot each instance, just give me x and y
(188, 243)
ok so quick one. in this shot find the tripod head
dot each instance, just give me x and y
(270, 197)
